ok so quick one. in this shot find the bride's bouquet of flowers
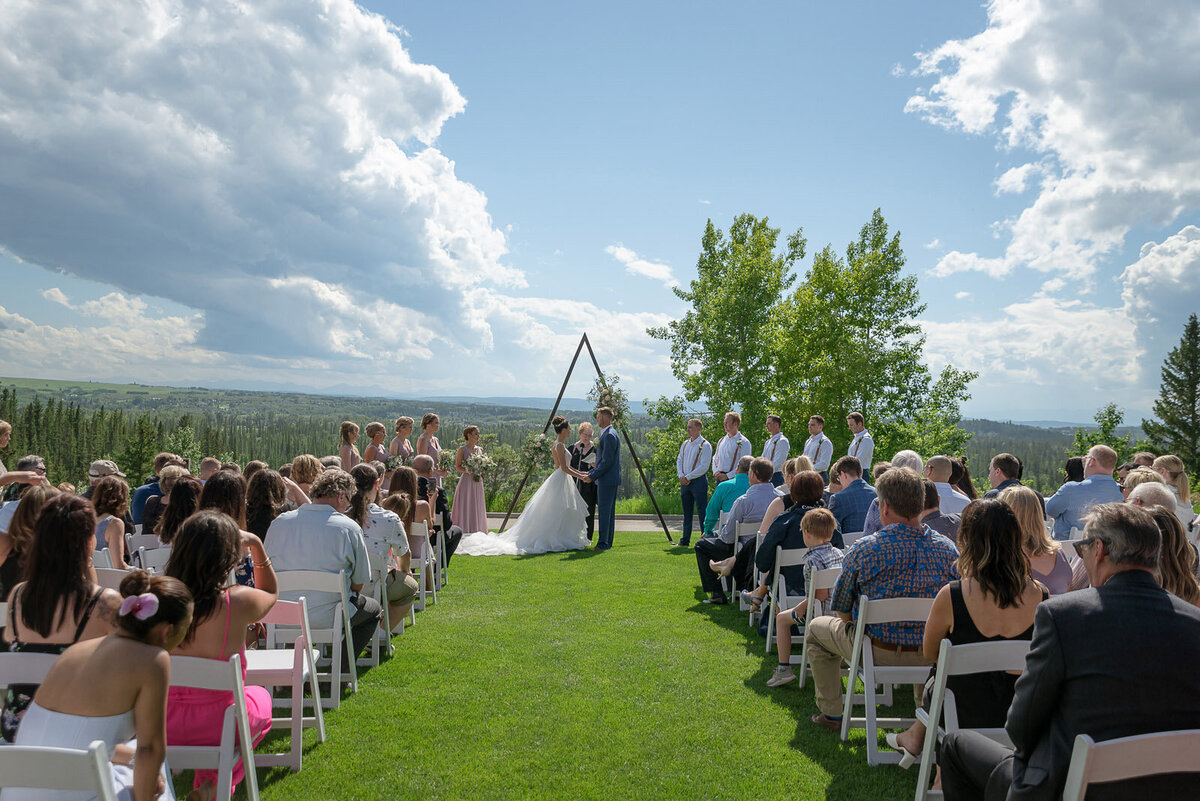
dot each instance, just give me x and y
(536, 451)
(479, 464)
(607, 392)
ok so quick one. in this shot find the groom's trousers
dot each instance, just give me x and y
(606, 501)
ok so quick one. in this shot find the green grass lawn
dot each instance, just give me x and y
(581, 675)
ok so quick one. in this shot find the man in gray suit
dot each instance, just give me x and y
(1114, 660)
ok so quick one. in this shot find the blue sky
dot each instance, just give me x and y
(438, 199)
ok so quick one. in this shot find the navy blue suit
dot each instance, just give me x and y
(607, 477)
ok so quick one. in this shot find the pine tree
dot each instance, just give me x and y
(1178, 404)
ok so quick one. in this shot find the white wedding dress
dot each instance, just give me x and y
(555, 519)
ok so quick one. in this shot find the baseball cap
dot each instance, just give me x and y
(104, 467)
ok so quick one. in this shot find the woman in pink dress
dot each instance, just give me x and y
(347, 450)
(376, 451)
(206, 548)
(469, 511)
(400, 446)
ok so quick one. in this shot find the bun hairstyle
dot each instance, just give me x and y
(139, 615)
(559, 422)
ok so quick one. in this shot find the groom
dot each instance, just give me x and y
(607, 477)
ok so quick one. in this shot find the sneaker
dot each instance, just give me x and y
(718, 599)
(782, 675)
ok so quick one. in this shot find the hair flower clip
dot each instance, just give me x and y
(140, 606)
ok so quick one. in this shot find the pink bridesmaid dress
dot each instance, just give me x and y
(469, 507)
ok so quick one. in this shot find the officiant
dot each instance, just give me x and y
(583, 458)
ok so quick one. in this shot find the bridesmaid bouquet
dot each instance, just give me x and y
(536, 451)
(446, 461)
(395, 461)
(479, 464)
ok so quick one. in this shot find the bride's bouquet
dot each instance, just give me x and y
(536, 451)
(479, 464)
(607, 392)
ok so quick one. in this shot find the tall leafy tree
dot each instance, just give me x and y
(1178, 404)
(1108, 420)
(720, 349)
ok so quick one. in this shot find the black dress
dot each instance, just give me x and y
(584, 459)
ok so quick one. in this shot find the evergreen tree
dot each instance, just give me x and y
(1178, 404)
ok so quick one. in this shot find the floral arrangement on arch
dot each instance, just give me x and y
(607, 392)
(479, 464)
(537, 451)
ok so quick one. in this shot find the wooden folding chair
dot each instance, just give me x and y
(1128, 758)
(36, 767)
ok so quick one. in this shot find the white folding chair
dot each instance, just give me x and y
(24, 669)
(135, 541)
(862, 663)
(44, 768)
(295, 668)
(817, 580)
(154, 561)
(742, 531)
(110, 578)
(780, 597)
(422, 563)
(235, 742)
(101, 559)
(377, 589)
(961, 660)
(849, 538)
(1069, 551)
(1128, 758)
(440, 560)
(342, 663)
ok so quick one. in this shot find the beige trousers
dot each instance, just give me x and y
(830, 640)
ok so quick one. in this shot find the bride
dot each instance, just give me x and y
(553, 520)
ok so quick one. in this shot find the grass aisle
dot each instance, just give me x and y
(581, 675)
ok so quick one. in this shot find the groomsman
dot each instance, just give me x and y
(730, 448)
(818, 448)
(862, 447)
(695, 454)
(776, 448)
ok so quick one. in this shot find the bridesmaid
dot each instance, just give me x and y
(400, 446)
(348, 451)
(428, 443)
(376, 451)
(469, 511)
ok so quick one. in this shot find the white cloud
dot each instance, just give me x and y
(962, 295)
(933, 244)
(636, 265)
(1104, 94)
(706, 202)
(1015, 180)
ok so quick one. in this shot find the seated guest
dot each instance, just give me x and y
(1151, 493)
(404, 482)
(1124, 469)
(331, 463)
(58, 605)
(1074, 499)
(1004, 472)
(1047, 561)
(285, 470)
(183, 502)
(1137, 476)
(207, 546)
(31, 471)
(1073, 469)
(879, 469)
(66, 486)
(726, 493)
(817, 528)
(932, 517)
(749, 508)
(137, 502)
(994, 600)
(427, 485)
(17, 542)
(252, 467)
(111, 501)
(225, 492)
(901, 560)
(384, 533)
(1112, 661)
(850, 504)
(1171, 469)
(318, 536)
(233, 467)
(67, 712)
(266, 499)
(910, 459)
(1177, 561)
(939, 470)
(98, 470)
(347, 450)
(305, 469)
(960, 477)
(785, 531)
(209, 465)
(157, 504)
(742, 563)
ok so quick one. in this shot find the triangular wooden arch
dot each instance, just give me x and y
(583, 341)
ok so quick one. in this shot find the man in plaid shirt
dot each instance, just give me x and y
(902, 560)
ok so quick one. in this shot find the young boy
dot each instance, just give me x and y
(817, 526)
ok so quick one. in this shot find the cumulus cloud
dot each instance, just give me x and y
(1104, 95)
(962, 295)
(636, 265)
(1015, 180)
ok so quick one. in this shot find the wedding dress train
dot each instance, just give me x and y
(554, 520)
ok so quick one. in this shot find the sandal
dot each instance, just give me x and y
(907, 758)
(755, 601)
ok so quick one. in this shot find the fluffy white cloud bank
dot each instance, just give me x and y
(271, 165)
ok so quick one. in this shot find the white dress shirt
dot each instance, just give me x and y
(317, 537)
(776, 449)
(729, 453)
(862, 448)
(819, 449)
(695, 455)
(950, 500)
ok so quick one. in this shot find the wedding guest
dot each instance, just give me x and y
(428, 490)
(749, 508)
(331, 463)
(995, 599)
(1073, 469)
(816, 529)
(128, 717)
(266, 499)
(939, 470)
(400, 446)
(583, 458)
(960, 477)
(31, 469)
(726, 493)
(157, 504)
(209, 465)
(305, 469)
(862, 446)
(1170, 467)
(376, 450)
(742, 564)
(17, 542)
(879, 469)
(819, 448)
(98, 470)
(776, 447)
(226, 492)
(183, 502)
(405, 482)
(803, 463)
(285, 470)
(1005, 471)
(384, 533)
(785, 531)
(59, 604)
(347, 450)
(1047, 562)
(1074, 499)
(469, 511)
(67, 487)
(137, 501)
(208, 546)
(111, 500)
(1177, 559)
(933, 519)
(233, 467)
(252, 467)
(730, 449)
(691, 468)
(850, 504)
(905, 458)
(1141, 475)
